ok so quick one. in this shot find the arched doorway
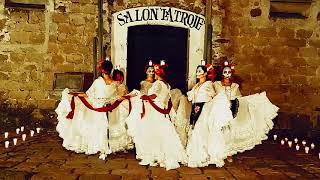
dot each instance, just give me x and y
(157, 42)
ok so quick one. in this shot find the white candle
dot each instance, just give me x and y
(226, 63)
(290, 143)
(15, 140)
(304, 142)
(22, 128)
(31, 133)
(24, 136)
(282, 142)
(6, 144)
(306, 149)
(38, 130)
(275, 137)
(312, 146)
(296, 140)
(17, 130)
(297, 147)
(286, 139)
(6, 135)
(150, 63)
(203, 62)
(319, 155)
(162, 62)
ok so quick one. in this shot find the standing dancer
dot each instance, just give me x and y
(155, 137)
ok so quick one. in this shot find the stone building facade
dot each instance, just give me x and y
(277, 55)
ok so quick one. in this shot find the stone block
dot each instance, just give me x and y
(3, 57)
(188, 170)
(60, 18)
(6, 66)
(37, 38)
(286, 33)
(296, 42)
(19, 16)
(18, 94)
(298, 79)
(267, 32)
(58, 58)
(2, 23)
(74, 8)
(304, 34)
(47, 104)
(77, 20)
(35, 57)
(66, 28)
(308, 52)
(36, 17)
(4, 76)
(75, 58)
(89, 9)
(314, 43)
(20, 37)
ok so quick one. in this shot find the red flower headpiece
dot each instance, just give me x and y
(160, 70)
(211, 71)
(100, 68)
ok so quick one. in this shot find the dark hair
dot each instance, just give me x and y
(116, 73)
(106, 67)
(204, 68)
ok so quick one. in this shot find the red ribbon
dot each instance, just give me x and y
(106, 108)
(156, 107)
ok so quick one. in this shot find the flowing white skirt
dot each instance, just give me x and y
(119, 140)
(154, 136)
(252, 123)
(86, 132)
(207, 143)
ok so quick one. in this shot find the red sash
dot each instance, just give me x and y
(101, 109)
(156, 107)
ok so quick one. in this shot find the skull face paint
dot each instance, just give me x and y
(200, 72)
(150, 70)
(227, 73)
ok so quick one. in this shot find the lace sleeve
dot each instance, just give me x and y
(237, 93)
(190, 94)
(91, 92)
(155, 88)
(209, 90)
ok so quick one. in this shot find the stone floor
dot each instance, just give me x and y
(42, 157)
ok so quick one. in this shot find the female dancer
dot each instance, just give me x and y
(149, 124)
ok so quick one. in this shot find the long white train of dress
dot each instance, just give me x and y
(87, 131)
(253, 120)
(206, 142)
(154, 135)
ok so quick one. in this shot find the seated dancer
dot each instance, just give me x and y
(118, 137)
(146, 84)
(85, 130)
(149, 124)
(252, 114)
(209, 115)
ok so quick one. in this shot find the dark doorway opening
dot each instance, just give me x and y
(156, 43)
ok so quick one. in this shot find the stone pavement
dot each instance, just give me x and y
(42, 157)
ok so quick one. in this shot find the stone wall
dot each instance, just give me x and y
(277, 55)
(35, 44)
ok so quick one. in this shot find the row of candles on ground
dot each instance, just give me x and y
(306, 148)
(24, 136)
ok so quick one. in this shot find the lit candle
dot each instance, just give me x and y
(286, 139)
(203, 62)
(226, 63)
(290, 143)
(162, 62)
(319, 155)
(31, 133)
(17, 130)
(275, 137)
(312, 146)
(24, 136)
(38, 130)
(297, 147)
(282, 142)
(6, 144)
(296, 140)
(150, 63)
(304, 142)
(306, 149)
(15, 140)
(22, 128)
(6, 134)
